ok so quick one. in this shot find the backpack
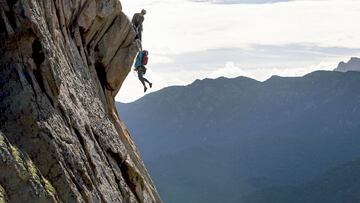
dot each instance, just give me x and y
(138, 60)
(145, 58)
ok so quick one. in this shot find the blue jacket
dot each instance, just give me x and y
(138, 59)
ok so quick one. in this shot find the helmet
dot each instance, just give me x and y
(143, 11)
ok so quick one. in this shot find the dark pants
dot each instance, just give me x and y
(138, 29)
(141, 76)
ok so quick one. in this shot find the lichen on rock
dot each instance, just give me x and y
(61, 65)
(22, 180)
(3, 198)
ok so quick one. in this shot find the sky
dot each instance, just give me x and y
(197, 39)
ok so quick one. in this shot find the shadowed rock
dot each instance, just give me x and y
(22, 179)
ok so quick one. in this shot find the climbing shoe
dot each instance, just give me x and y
(145, 88)
(150, 85)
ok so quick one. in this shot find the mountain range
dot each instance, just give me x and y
(241, 140)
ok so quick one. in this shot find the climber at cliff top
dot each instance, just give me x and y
(137, 21)
(141, 61)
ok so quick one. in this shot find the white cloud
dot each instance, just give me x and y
(180, 27)
(160, 59)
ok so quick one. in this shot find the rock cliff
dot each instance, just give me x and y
(62, 62)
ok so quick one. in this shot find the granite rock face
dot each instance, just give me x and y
(62, 62)
(3, 197)
(23, 181)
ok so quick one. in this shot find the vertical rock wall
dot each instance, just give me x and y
(62, 62)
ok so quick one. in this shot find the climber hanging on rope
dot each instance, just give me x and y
(137, 21)
(141, 61)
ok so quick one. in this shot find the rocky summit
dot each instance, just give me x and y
(352, 65)
(62, 63)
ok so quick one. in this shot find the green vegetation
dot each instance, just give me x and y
(31, 168)
(49, 188)
(16, 154)
(25, 170)
(1, 140)
(2, 195)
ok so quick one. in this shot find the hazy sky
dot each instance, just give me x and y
(190, 40)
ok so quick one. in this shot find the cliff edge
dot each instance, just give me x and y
(62, 63)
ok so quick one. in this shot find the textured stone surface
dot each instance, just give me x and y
(22, 179)
(3, 196)
(62, 62)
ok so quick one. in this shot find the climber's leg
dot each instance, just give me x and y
(142, 79)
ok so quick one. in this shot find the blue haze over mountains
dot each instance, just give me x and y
(288, 139)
